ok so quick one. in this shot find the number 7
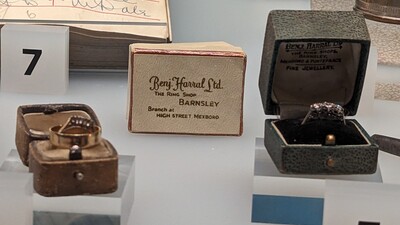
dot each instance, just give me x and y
(37, 53)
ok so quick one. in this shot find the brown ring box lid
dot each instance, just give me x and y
(24, 135)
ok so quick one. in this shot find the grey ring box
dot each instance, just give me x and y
(312, 57)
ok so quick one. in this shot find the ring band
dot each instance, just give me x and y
(325, 111)
(75, 135)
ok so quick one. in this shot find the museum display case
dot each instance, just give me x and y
(176, 179)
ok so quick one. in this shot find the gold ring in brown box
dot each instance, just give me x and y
(54, 172)
(34, 122)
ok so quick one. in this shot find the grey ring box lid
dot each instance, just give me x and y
(310, 57)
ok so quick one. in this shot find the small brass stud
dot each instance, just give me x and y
(330, 140)
(330, 162)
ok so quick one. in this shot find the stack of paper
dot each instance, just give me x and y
(100, 30)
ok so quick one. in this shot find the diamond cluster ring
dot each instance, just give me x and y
(325, 111)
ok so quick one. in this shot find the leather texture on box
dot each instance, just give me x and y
(314, 29)
(44, 116)
(356, 158)
(315, 57)
(47, 147)
(188, 88)
(56, 177)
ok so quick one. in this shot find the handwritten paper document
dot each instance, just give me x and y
(147, 18)
(100, 30)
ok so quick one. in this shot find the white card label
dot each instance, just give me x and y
(34, 59)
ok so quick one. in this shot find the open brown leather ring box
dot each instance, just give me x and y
(34, 122)
(54, 172)
(314, 57)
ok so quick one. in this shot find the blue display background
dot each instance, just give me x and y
(287, 210)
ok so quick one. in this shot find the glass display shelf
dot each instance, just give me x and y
(108, 209)
(16, 198)
(323, 199)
